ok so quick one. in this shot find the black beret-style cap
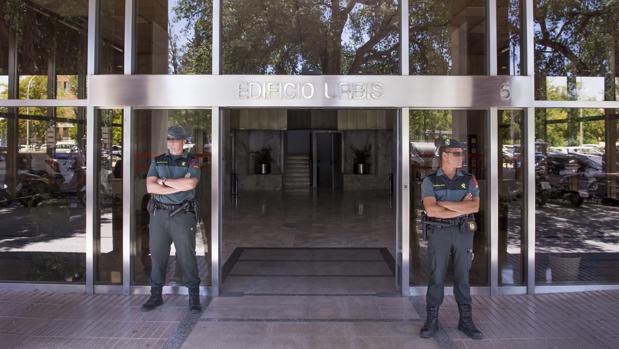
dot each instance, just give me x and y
(177, 132)
(449, 143)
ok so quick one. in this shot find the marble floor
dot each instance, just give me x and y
(358, 219)
(308, 243)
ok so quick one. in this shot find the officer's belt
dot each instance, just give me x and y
(171, 207)
(449, 221)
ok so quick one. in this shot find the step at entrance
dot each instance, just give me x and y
(356, 271)
(297, 173)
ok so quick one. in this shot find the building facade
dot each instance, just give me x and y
(315, 123)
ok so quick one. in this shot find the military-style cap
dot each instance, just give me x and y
(177, 132)
(449, 143)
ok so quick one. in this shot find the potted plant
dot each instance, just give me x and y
(262, 161)
(361, 158)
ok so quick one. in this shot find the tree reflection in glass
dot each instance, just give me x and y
(174, 37)
(311, 37)
(447, 37)
(575, 39)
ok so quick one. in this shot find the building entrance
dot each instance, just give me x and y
(308, 205)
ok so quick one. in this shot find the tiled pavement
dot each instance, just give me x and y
(45, 320)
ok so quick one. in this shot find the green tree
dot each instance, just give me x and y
(310, 36)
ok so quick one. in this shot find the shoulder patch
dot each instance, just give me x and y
(194, 162)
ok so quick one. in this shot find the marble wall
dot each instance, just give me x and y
(381, 161)
(249, 141)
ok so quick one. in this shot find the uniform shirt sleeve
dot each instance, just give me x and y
(474, 187)
(194, 168)
(427, 190)
(152, 170)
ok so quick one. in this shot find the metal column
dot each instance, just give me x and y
(216, 197)
(404, 198)
(492, 137)
(529, 147)
(128, 187)
(493, 191)
(91, 150)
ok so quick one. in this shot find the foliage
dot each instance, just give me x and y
(361, 155)
(426, 125)
(195, 56)
(575, 38)
(263, 156)
(309, 36)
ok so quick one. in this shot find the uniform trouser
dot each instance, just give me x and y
(442, 242)
(180, 229)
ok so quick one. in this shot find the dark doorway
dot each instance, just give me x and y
(327, 160)
(307, 222)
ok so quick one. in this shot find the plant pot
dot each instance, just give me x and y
(263, 168)
(362, 169)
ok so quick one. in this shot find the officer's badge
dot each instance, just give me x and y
(463, 185)
(472, 226)
(183, 164)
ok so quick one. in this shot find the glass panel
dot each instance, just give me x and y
(447, 37)
(306, 37)
(4, 53)
(577, 202)
(33, 87)
(511, 203)
(52, 39)
(427, 128)
(4, 142)
(4, 86)
(173, 36)
(510, 37)
(150, 141)
(111, 37)
(576, 51)
(43, 214)
(109, 242)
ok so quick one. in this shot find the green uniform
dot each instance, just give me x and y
(180, 228)
(449, 236)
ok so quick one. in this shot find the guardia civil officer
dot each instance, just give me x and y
(450, 198)
(171, 181)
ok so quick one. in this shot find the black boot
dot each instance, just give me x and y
(154, 301)
(466, 324)
(431, 326)
(194, 300)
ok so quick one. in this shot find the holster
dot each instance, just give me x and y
(184, 207)
(151, 207)
(196, 209)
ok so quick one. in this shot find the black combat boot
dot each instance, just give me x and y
(431, 326)
(466, 324)
(194, 300)
(154, 301)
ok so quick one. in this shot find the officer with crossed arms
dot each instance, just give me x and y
(450, 198)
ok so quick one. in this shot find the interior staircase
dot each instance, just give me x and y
(297, 174)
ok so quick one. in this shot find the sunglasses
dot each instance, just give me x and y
(455, 153)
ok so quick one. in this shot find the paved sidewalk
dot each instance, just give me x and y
(47, 320)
